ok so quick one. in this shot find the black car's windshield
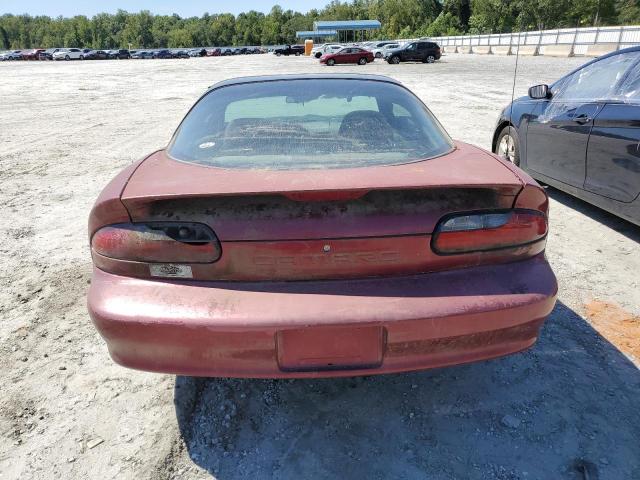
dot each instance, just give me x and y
(309, 123)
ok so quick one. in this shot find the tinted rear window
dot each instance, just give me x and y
(308, 124)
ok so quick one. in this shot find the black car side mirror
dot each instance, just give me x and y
(540, 92)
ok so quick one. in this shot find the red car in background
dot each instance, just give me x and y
(314, 226)
(32, 54)
(355, 55)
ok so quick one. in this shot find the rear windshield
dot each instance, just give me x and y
(308, 124)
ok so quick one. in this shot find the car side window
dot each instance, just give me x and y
(412, 46)
(630, 88)
(595, 81)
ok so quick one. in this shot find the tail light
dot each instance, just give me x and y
(158, 242)
(484, 231)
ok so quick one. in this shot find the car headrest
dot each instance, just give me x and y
(366, 125)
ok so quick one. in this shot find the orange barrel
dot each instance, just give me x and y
(308, 46)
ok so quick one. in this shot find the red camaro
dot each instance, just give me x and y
(32, 54)
(348, 55)
(311, 226)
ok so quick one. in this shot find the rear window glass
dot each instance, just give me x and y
(308, 124)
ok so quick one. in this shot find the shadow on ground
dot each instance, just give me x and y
(610, 220)
(565, 409)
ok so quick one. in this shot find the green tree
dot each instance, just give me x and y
(628, 11)
(399, 18)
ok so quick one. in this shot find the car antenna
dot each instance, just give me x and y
(515, 74)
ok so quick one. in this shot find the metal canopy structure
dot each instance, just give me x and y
(344, 27)
(316, 34)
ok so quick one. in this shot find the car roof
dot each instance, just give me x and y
(311, 76)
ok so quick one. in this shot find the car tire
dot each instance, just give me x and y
(81, 57)
(378, 55)
(362, 61)
(331, 62)
(430, 59)
(395, 60)
(297, 54)
(67, 58)
(508, 145)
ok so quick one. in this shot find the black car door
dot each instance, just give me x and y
(410, 53)
(559, 128)
(423, 51)
(613, 155)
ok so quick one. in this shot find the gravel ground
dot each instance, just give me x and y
(568, 408)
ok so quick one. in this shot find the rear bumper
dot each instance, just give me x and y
(229, 329)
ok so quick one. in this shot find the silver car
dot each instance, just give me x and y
(380, 51)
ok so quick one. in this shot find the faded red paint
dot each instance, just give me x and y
(231, 329)
(309, 255)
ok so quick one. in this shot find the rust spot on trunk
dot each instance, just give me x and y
(617, 325)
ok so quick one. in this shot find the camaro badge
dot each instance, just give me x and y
(170, 270)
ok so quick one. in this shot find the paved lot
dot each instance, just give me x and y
(568, 408)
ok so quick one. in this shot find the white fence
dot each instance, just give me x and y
(579, 38)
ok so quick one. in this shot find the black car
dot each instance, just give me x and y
(96, 55)
(582, 133)
(290, 50)
(122, 54)
(180, 54)
(162, 54)
(227, 52)
(419, 51)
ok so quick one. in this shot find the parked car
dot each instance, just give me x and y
(13, 55)
(287, 50)
(380, 52)
(142, 54)
(420, 51)
(374, 244)
(69, 54)
(48, 53)
(378, 45)
(316, 51)
(122, 54)
(198, 52)
(227, 52)
(180, 54)
(581, 133)
(356, 55)
(96, 55)
(328, 48)
(164, 53)
(214, 52)
(31, 54)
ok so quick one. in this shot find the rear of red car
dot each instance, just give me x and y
(205, 267)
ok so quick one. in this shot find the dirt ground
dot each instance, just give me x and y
(568, 408)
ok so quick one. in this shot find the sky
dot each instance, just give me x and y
(184, 8)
